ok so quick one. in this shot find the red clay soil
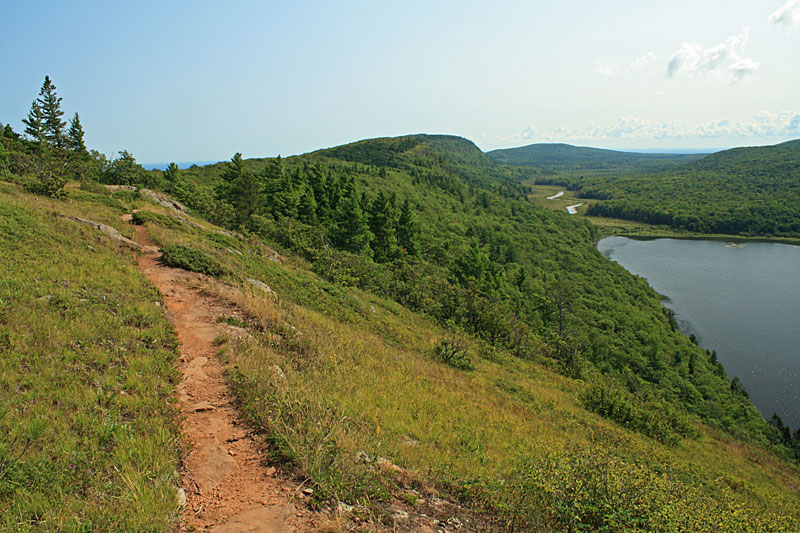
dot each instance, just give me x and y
(228, 488)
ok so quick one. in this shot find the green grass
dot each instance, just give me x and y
(87, 440)
(334, 377)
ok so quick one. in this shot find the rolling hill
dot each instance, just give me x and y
(426, 335)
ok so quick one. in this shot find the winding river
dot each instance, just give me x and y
(741, 300)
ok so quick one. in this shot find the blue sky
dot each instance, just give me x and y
(200, 80)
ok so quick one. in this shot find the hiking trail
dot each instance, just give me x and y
(227, 486)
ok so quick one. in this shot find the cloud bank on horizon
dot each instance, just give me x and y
(764, 125)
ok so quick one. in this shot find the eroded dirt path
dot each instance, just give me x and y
(227, 487)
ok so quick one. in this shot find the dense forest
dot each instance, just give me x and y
(557, 158)
(744, 191)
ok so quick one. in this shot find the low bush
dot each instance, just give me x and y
(192, 259)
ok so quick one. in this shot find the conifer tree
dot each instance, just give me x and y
(76, 135)
(408, 230)
(350, 231)
(34, 123)
(383, 225)
(307, 206)
(50, 105)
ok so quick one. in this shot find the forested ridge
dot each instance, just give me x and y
(538, 326)
(751, 191)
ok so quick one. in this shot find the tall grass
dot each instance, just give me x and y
(87, 440)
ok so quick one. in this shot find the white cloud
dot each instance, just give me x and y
(639, 63)
(604, 69)
(722, 61)
(764, 126)
(788, 15)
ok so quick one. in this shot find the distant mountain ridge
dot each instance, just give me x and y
(547, 154)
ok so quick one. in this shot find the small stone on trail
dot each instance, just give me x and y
(308, 492)
(200, 407)
(181, 496)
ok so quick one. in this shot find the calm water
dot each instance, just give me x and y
(742, 301)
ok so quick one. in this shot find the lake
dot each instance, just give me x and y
(741, 300)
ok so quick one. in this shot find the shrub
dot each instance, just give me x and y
(142, 217)
(192, 259)
(453, 351)
(655, 418)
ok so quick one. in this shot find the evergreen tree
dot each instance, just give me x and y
(351, 231)
(34, 124)
(76, 135)
(408, 230)
(170, 177)
(234, 169)
(246, 196)
(383, 225)
(307, 206)
(50, 105)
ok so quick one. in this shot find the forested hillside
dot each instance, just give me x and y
(431, 222)
(550, 158)
(744, 191)
(422, 309)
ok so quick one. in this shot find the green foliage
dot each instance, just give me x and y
(517, 276)
(75, 135)
(453, 351)
(143, 217)
(50, 105)
(585, 489)
(187, 258)
(87, 435)
(744, 191)
(654, 418)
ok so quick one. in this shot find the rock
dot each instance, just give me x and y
(210, 463)
(278, 371)
(113, 234)
(270, 471)
(399, 514)
(362, 457)
(162, 200)
(386, 464)
(308, 491)
(181, 497)
(344, 508)
(200, 407)
(234, 252)
(263, 286)
(271, 519)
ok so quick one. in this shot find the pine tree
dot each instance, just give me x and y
(350, 231)
(76, 135)
(408, 230)
(307, 206)
(383, 225)
(34, 124)
(50, 104)
(234, 169)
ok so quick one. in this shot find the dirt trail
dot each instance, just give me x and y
(227, 487)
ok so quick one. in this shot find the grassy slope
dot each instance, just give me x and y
(86, 434)
(357, 372)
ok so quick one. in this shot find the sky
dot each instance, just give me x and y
(201, 80)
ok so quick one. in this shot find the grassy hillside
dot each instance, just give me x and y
(428, 333)
(87, 440)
